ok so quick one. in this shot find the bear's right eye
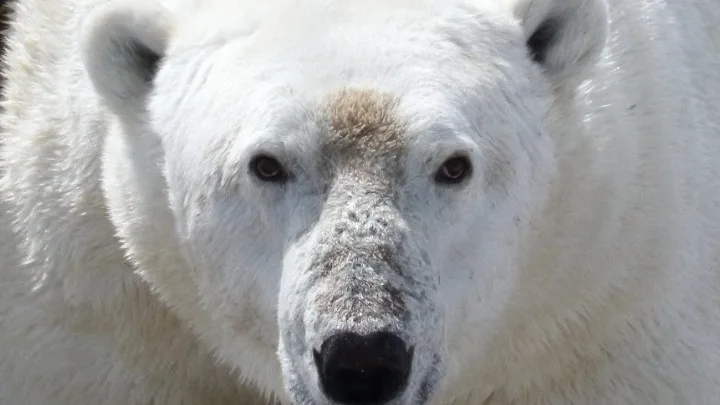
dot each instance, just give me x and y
(267, 168)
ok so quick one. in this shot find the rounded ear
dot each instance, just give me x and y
(565, 37)
(123, 44)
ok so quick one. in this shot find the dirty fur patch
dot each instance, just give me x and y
(364, 129)
(357, 266)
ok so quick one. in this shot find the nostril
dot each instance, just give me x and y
(360, 370)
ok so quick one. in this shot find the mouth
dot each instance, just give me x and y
(421, 396)
(427, 388)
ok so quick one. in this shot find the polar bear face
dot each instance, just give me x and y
(340, 187)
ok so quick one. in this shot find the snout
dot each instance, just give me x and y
(362, 322)
(358, 369)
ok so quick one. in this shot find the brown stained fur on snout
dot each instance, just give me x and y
(364, 130)
(366, 141)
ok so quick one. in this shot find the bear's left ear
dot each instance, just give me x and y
(565, 37)
(123, 44)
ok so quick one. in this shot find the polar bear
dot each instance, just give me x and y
(360, 202)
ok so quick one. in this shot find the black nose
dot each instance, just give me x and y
(361, 370)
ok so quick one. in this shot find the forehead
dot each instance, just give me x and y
(363, 129)
(318, 46)
(340, 34)
(363, 75)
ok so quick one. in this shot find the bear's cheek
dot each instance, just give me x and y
(236, 265)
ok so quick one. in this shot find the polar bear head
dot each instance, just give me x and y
(334, 195)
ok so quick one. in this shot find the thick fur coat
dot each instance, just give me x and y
(197, 195)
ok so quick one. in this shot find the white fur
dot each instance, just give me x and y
(141, 262)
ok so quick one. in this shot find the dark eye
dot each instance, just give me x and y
(267, 168)
(454, 170)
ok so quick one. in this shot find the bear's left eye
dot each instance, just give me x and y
(267, 168)
(454, 170)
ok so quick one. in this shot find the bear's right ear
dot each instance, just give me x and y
(122, 46)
